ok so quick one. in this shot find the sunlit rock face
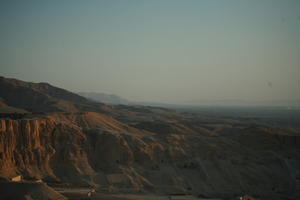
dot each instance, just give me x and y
(95, 149)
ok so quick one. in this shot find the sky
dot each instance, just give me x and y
(168, 51)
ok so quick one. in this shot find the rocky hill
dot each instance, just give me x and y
(137, 149)
(43, 97)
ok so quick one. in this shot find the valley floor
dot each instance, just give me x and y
(82, 193)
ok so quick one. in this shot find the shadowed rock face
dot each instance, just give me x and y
(118, 157)
(28, 191)
(43, 97)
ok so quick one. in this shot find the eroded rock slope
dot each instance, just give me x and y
(97, 150)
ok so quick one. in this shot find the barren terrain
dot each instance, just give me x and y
(137, 152)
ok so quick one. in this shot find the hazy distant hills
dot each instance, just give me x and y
(105, 98)
(115, 100)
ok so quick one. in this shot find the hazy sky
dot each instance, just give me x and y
(170, 51)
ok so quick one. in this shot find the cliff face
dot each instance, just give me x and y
(94, 149)
(22, 148)
(34, 147)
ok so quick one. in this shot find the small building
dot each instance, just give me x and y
(16, 178)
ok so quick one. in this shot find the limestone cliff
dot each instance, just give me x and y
(95, 149)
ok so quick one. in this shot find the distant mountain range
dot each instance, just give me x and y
(105, 98)
(21, 96)
(115, 100)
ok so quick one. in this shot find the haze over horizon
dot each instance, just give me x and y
(167, 51)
